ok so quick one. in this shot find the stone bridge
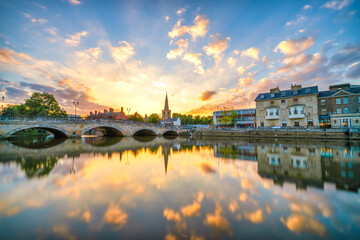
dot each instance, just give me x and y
(76, 128)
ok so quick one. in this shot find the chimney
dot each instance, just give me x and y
(145, 115)
(111, 110)
(105, 111)
(95, 112)
(275, 90)
(91, 113)
(122, 109)
(295, 87)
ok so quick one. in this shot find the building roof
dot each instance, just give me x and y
(229, 110)
(352, 89)
(288, 93)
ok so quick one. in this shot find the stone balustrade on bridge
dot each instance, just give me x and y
(77, 128)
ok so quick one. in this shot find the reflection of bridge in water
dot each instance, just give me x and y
(68, 128)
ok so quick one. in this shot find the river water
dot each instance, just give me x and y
(157, 188)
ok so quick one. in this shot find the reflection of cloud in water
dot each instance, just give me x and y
(216, 220)
(301, 223)
(206, 168)
(116, 216)
(255, 217)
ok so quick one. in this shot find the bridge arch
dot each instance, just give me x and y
(170, 133)
(110, 131)
(145, 132)
(58, 132)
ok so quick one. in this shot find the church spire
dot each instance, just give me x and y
(166, 103)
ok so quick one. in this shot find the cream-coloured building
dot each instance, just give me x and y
(297, 107)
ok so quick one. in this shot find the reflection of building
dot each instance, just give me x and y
(244, 117)
(342, 167)
(235, 151)
(340, 106)
(293, 164)
(289, 108)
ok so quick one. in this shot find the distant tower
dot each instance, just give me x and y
(166, 113)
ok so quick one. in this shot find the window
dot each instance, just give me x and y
(338, 110)
(282, 101)
(272, 102)
(277, 112)
(289, 112)
(323, 112)
(295, 92)
(283, 94)
(308, 90)
(295, 100)
(302, 110)
(334, 121)
(323, 102)
(297, 124)
(345, 100)
(346, 110)
(338, 101)
(359, 99)
(295, 111)
(262, 96)
(357, 121)
(273, 95)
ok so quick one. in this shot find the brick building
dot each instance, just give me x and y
(111, 114)
(339, 106)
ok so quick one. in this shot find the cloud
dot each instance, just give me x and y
(348, 54)
(300, 223)
(292, 47)
(194, 58)
(251, 52)
(167, 18)
(173, 54)
(74, 40)
(207, 95)
(116, 216)
(199, 29)
(307, 7)
(216, 220)
(12, 92)
(122, 53)
(354, 71)
(75, 2)
(182, 43)
(51, 30)
(337, 5)
(207, 168)
(255, 217)
(231, 61)
(40, 20)
(297, 21)
(294, 61)
(216, 47)
(233, 206)
(86, 216)
(180, 11)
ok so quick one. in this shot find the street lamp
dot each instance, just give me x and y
(2, 104)
(75, 104)
(128, 110)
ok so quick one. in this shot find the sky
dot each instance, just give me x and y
(207, 55)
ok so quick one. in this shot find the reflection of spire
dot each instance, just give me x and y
(166, 153)
(72, 170)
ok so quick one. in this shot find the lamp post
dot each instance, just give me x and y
(75, 105)
(128, 110)
(2, 103)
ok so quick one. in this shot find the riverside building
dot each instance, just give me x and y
(297, 107)
(244, 117)
(340, 106)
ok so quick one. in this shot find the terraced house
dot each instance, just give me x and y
(297, 107)
(340, 106)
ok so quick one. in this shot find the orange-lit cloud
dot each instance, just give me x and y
(216, 47)
(76, 2)
(207, 95)
(251, 52)
(191, 210)
(194, 58)
(122, 53)
(292, 47)
(233, 206)
(74, 40)
(199, 29)
(174, 53)
(39, 20)
(180, 11)
(171, 215)
(231, 61)
(206, 168)
(294, 61)
(116, 216)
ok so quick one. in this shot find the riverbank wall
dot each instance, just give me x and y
(294, 133)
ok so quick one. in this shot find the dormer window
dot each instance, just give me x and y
(273, 95)
(262, 96)
(308, 90)
(283, 94)
(295, 92)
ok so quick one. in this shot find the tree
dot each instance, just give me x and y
(233, 117)
(154, 118)
(39, 104)
(136, 117)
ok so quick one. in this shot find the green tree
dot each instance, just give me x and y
(154, 118)
(39, 104)
(136, 117)
(233, 117)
